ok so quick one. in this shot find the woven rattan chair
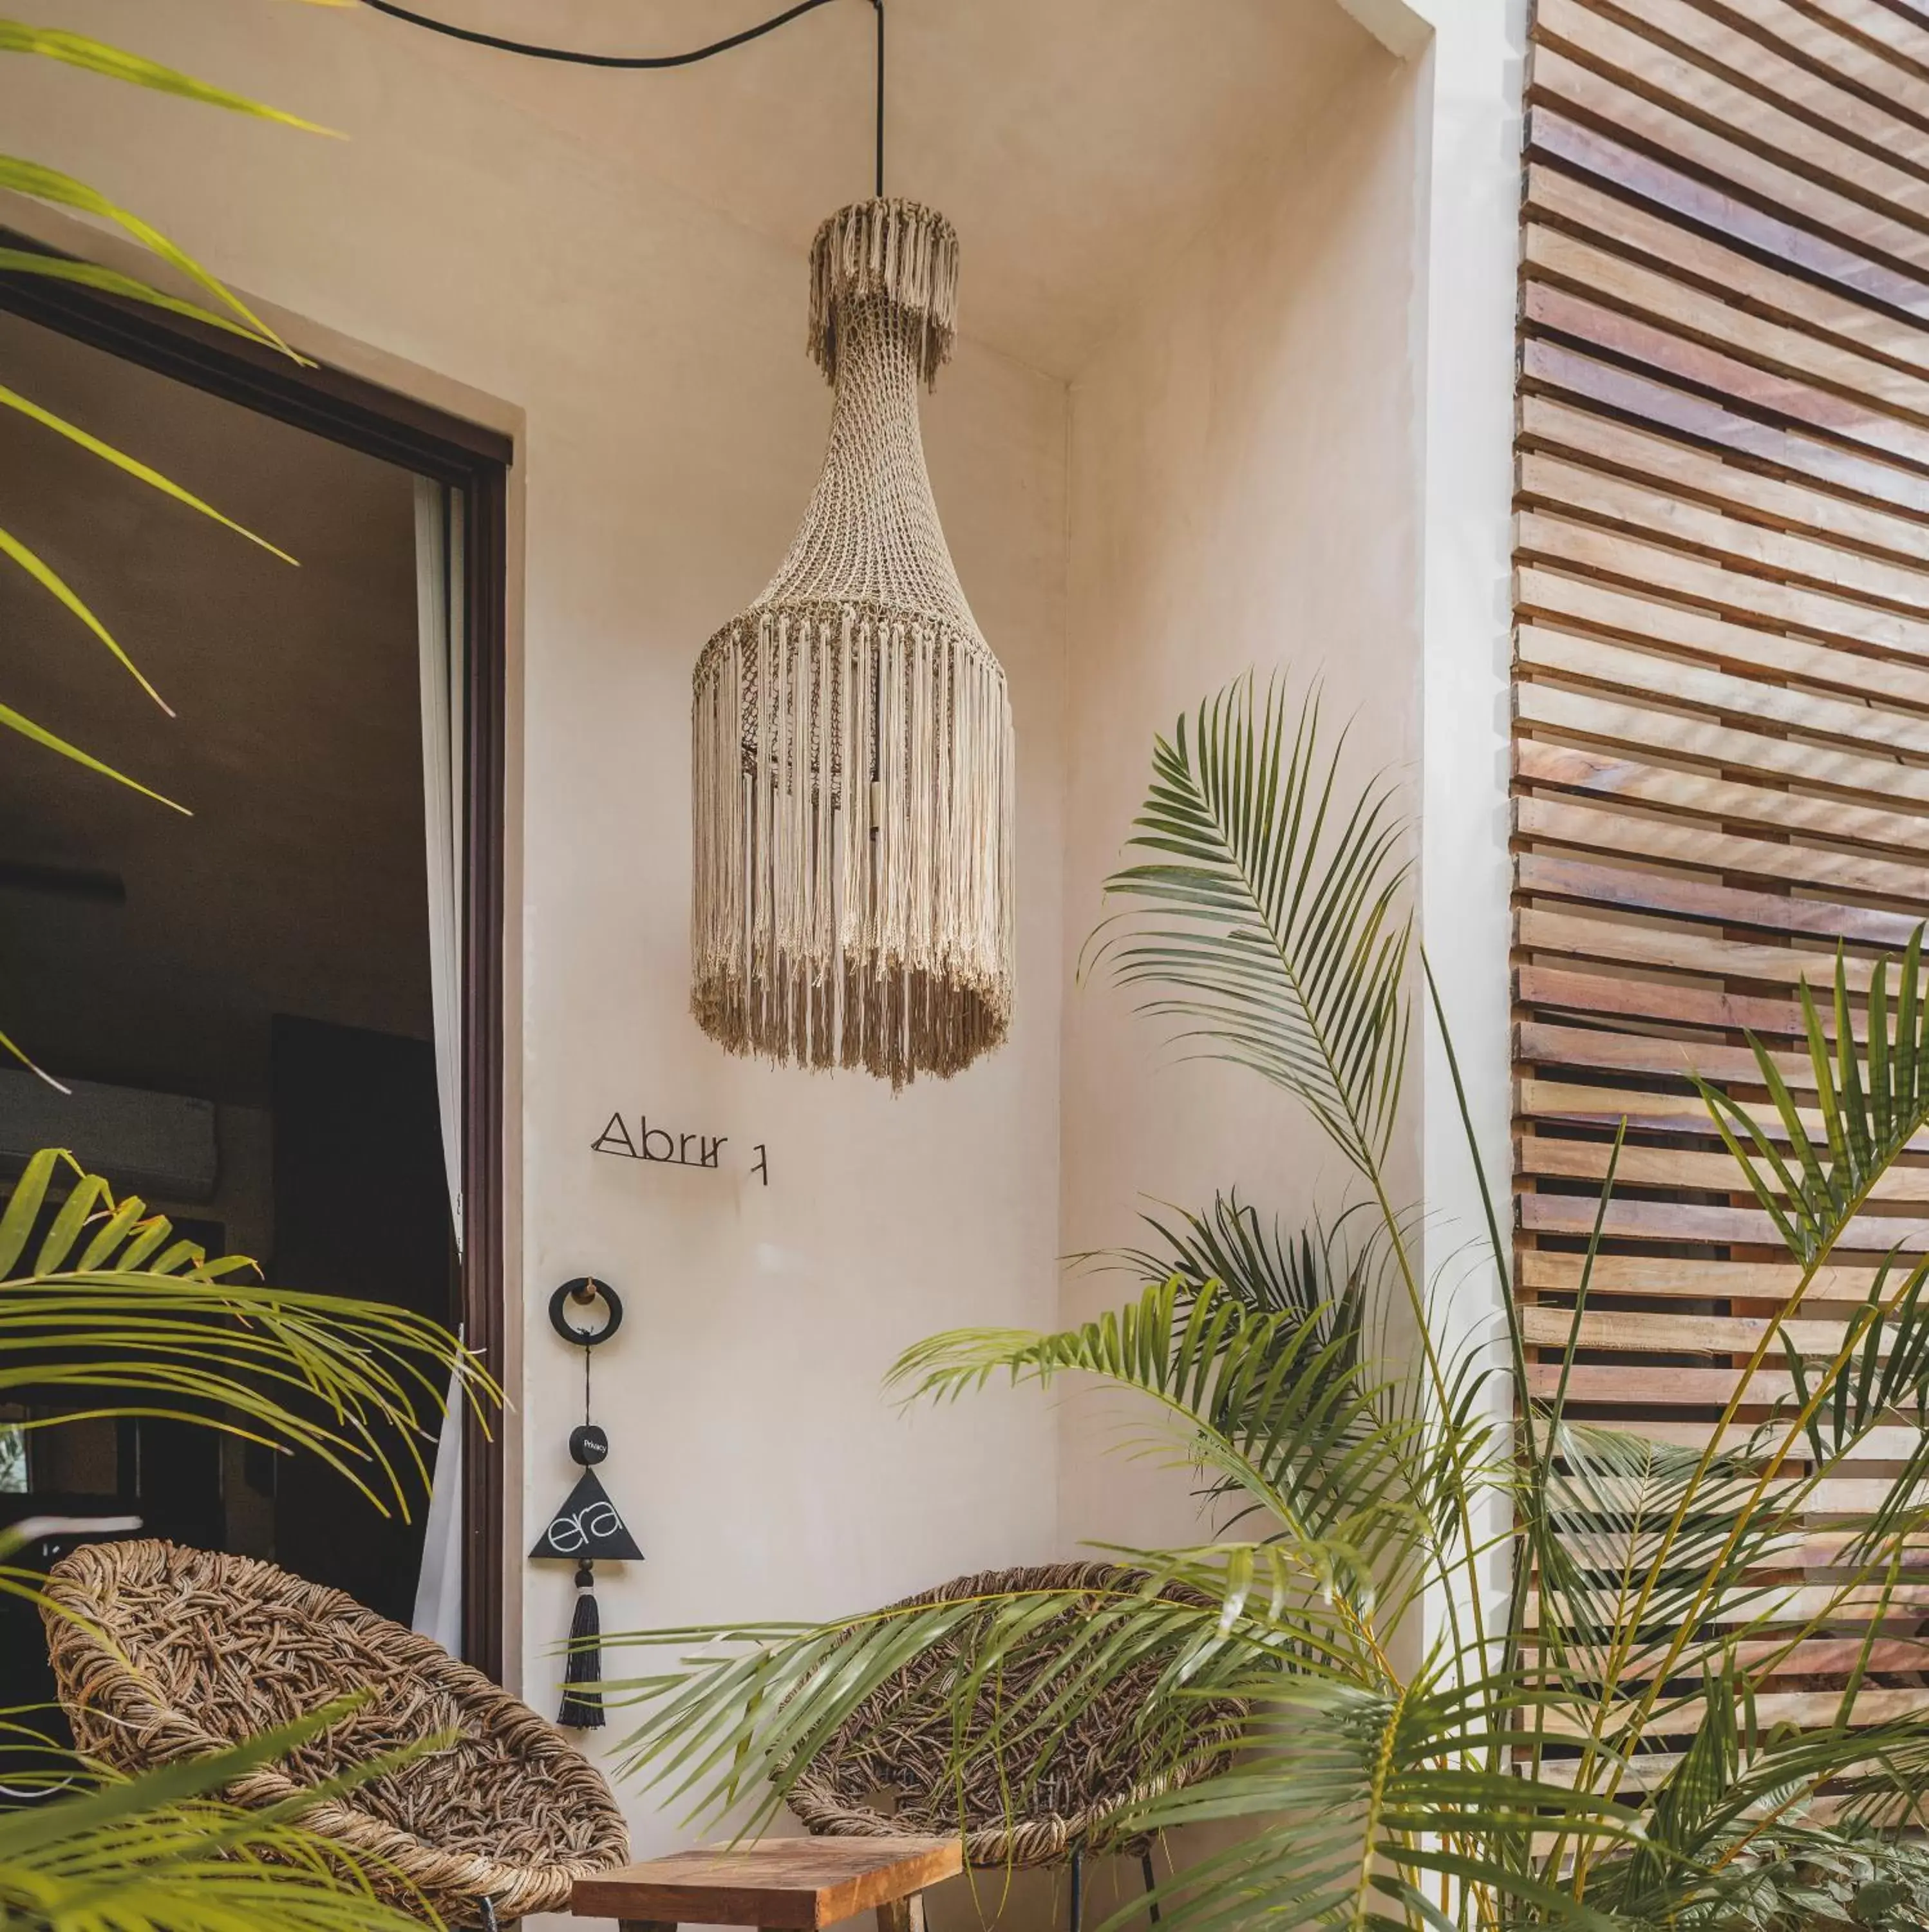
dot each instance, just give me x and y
(213, 1649)
(889, 1769)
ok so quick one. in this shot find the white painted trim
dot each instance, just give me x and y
(1466, 279)
(1469, 278)
(1403, 29)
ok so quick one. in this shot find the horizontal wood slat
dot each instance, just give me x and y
(1633, 560)
(1698, 262)
(1663, 1000)
(1676, 949)
(1592, 1105)
(1656, 891)
(1595, 828)
(1550, 364)
(1865, 389)
(1753, 381)
(1693, 135)
(1756, 808)
(1622, 1332)
(1629, 1220)
(1561, 132)
(1649, 1275)
(1721, 705)
(1610, 718)
(1673, 1167)
(1704, 475)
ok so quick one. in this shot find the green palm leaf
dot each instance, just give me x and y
(116, 64)
(1613, 1504)
(1872, 1102)
(39, 183)
(1271, 917)
(50, 580)
(108, 1308)
(162, 1853)
(1869, 1112)
(1268, 930)
(133, 467)
(116, 282)
(1307, 1279)
(1267, 1404)
(1370, 1796)
(15, 720)
(735, 1722)
(102, 1303)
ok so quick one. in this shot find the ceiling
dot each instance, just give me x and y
(1076, 144)
(298, 885)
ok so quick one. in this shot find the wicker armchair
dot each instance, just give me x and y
(501, 1823)
(896, 1751)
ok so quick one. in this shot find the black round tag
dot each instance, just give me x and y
(584, 1290)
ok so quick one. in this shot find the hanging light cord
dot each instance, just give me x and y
(531, 50)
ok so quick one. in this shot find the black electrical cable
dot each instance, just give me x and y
(532, 50)
(879, 5)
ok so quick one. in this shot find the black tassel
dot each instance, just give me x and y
(582, 1709)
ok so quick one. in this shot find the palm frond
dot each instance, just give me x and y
(50, 267)
(1679, 1837)
(1370, 1795)
(1602, 1763)
(14, 1050)
(116, 64)
(41, 183)
(1614, 1508)
(1880, 1372)
(1872, 1106)
(109, 1311)
(1873, 1102)
(50, 580)
(1307, 1279)
(1271, 919)
(162, 1853)
(39, 734)
(111, 1305)
(734, 1721)
(142, 472)
(1264, 1402)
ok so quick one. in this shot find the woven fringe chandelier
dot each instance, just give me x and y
(852, 896)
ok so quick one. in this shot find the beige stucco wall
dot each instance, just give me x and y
(1244, 497)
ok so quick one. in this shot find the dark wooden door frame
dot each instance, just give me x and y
(467, 456)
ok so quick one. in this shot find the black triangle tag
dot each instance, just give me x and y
(587, 1527)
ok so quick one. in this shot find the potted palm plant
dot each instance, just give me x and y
(1500, 1663)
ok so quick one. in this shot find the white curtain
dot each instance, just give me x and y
(438, 618)
(439, 1586)
(439, 629)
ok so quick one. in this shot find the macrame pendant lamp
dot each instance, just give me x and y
(853, 900)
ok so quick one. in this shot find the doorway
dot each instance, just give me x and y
(269, 1010)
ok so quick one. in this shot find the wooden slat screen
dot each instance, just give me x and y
(1721, 685)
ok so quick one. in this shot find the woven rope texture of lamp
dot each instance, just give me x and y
(852, 753)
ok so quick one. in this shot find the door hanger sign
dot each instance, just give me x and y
(589, 1524)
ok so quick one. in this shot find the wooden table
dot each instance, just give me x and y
(784, 1885)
